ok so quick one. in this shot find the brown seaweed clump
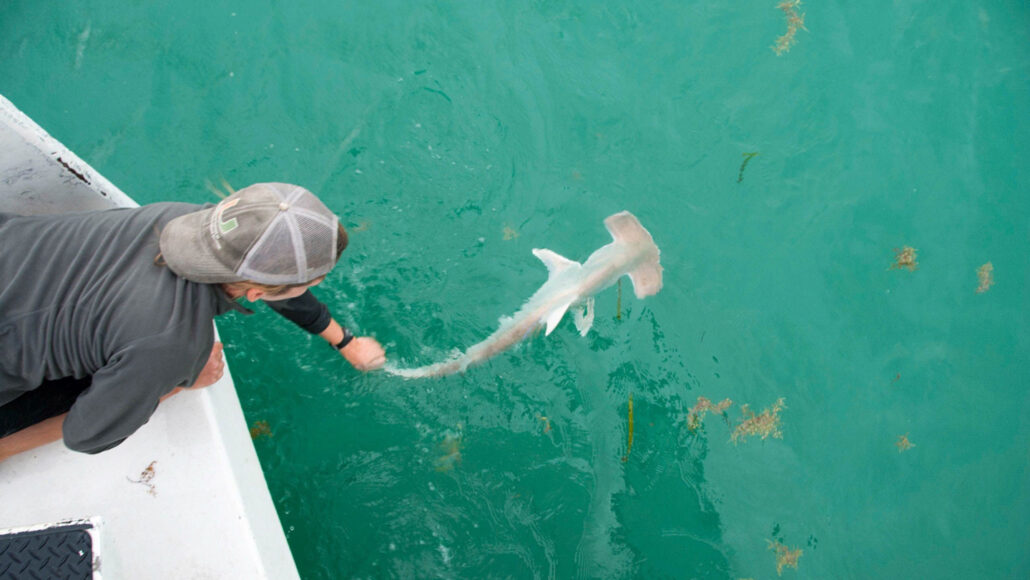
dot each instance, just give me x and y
(903, 443)
(697, 413)
(795, 22)
(629, 430)
(784, 556)
(986, 275)
(905, 258)
(260, 429)
(765, 425)
(450, 449)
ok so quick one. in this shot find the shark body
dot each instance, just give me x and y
(569, 285)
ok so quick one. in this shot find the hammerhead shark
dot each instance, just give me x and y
(569, 285)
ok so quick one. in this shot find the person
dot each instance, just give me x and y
(104, 314)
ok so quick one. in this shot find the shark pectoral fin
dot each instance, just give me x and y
(555, 317)
(585, 317)
(553, 261)
(647, 278)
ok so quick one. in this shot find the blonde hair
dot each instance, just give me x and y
(271, 290)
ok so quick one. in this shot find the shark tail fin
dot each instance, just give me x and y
(626, 229)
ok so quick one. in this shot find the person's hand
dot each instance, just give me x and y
(213, 370)
(364, 353)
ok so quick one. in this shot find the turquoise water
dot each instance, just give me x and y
(455, 137)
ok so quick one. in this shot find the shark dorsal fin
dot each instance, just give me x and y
(553, 261)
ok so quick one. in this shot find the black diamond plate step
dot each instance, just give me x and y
(54, 553)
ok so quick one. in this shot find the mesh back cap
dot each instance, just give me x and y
(269, 233)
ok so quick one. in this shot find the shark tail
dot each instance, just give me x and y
(626, 229)
(434, 370)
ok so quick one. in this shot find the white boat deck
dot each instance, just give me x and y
(184, 497)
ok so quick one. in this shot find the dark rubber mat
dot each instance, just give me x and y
(60, 552)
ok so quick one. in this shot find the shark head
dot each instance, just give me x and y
(647, 276)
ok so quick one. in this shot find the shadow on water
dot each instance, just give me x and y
(517, 467)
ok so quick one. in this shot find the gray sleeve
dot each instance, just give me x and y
(124, 394)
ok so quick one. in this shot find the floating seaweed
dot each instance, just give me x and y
(547, 423)
(629, 444)
(145, 477)
(765, 425)
(747, 158)
(510, 233)
(986, 275)
(451, 449)
(618, 301)
(784, 556)
(903, 443)
(905, 258)
(260, 429)
(697, 413)
(795, 22)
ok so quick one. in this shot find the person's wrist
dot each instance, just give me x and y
(347, 338)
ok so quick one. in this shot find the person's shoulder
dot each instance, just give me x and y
(120, 216)
(173, 208)
(151, 215)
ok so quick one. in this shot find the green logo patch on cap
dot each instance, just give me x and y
(230, 225)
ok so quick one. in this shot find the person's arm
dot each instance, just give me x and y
(208, 376)
(126, 392)
(46, 431)
(364, 353)
(50, 430)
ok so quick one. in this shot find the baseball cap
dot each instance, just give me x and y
(269, 233)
